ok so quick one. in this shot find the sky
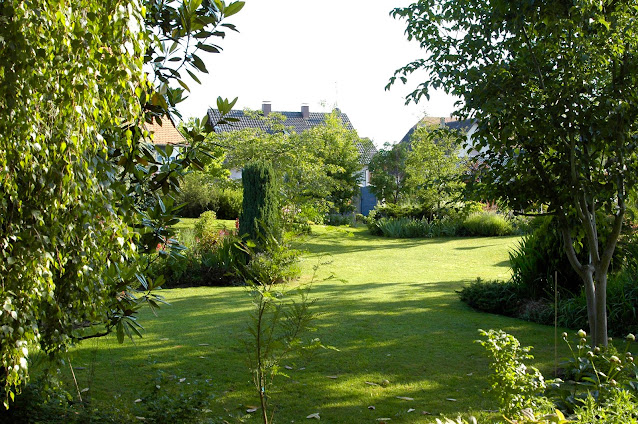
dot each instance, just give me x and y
(324, 53)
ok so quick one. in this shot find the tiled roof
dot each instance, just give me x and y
(294, 122)
(451, 123)
(166, 133)
(366, 151)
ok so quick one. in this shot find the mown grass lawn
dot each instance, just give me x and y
(392, 312)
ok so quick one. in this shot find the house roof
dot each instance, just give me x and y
(294, 122)
(451, 123)
(166, 133)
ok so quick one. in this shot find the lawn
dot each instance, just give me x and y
(392, 313)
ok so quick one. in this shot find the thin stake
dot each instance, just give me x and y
(76, 382)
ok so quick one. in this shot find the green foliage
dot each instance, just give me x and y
(200, 192)
(619, 408)
(335, 148)
(537, 258)
(596, 373)
(520, 81)
(413, 228)
(404, 210)
(280, 316)
(434, 167)
(337, 219)
(38, 403)
(516, 385)
(623, 298)
(205, 230)
(487, 224)
(85, 199)
(261, 204)
(318, 167)
(496, 297)
(388, 173)
(209, 260)
(404, 222)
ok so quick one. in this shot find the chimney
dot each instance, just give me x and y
(305, 111)
(442, 124)
(266, 107)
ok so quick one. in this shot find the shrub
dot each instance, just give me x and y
(209, 260)
(197, 193)
(622, 298)
(496, 297)
(537, 258)
(594, 372)
(229, 201)
(516, 385)
(486, 224)
(392, 210)
(200, 192)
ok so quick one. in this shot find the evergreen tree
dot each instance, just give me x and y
(260, 208)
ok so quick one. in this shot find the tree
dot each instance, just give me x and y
(434, 166)
(261, 211)
(335, 147)
(388, 172)
(84, 198)
(554, 88)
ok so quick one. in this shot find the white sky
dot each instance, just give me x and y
(331, 52)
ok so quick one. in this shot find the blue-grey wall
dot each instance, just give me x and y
(368, 200)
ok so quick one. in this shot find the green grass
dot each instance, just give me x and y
(392, 312)
(186, 223)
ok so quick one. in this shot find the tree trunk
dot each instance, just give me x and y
(599, 332)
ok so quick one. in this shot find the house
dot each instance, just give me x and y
(467, 126)
(165, 133)
(299, 122)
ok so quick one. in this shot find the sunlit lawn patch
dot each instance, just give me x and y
(405, 340)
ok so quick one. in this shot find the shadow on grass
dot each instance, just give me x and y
(417, 336)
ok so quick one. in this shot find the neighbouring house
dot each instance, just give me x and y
(165, 133)
(467, 126)
(298, 122)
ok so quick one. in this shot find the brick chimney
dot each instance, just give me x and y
(266, 107)
(305, 111)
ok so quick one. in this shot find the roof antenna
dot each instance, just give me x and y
(336, 106)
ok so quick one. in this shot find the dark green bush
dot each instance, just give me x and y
(261, 202)
(496, 297)
(392, 210)
(622, 301)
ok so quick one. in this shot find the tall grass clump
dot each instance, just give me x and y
(487, 224)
